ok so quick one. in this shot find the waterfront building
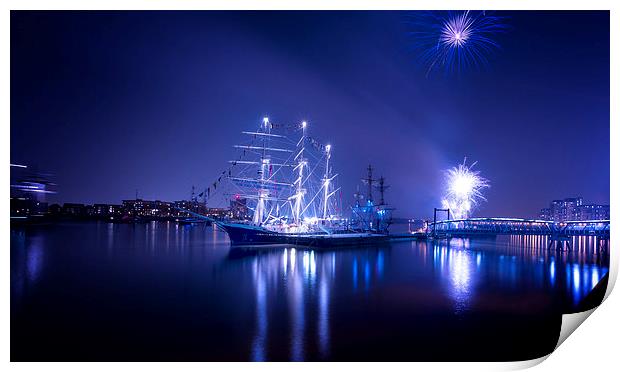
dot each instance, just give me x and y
(556, 210)
(148, 208)
(54, 210)
(89, 211)
(593, 212)
(190, 205)
(107, 210)
(545, 214)
(573, 209)
(218, 213)
(23, 207)
(239, 208)
(29, 189)
(74, 209)
(20, 207)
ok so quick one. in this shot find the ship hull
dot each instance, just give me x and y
(241, 234)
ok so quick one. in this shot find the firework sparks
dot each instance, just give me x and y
(456, 31)
(455, 41)
(463, 190)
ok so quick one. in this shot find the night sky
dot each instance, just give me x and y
(114, 102)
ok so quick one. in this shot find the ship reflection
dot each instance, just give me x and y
(305, 279)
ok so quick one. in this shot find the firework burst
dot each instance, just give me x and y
(454, 41)
(463, 190)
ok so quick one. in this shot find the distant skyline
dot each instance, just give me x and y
(111, 102)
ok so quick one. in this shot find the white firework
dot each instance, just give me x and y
(463, 190)
(456, 31)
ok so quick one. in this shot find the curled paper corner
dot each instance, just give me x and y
(524, 364)
(612, 276)
(601, 291)
(570, 322)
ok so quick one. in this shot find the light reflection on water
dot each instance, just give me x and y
(461, 266)
(298, 297)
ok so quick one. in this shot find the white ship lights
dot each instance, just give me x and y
(286, 178)
(302, 163)
(326, 180)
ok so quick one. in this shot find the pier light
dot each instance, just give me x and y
(265, 120)
(304, 124)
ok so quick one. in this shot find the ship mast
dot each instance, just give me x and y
(382, 187)
(326, 180)
(263, 192)
(301, 163)
(261, 182)
(370, 182)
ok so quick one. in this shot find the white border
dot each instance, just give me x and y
(593, 346)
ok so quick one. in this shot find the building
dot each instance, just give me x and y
(107, 210)
(593, 212)
(54, 210)
(545, 214)
(148, 208)
(573, 209)
(29, 189)
(218, 213)
(555, 210)
(74, 210)
(239, 208)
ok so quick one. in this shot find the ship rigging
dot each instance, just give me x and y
(279, 178)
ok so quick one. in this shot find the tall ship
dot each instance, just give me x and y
(283, 189)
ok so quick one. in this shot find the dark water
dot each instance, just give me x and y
(158, 291)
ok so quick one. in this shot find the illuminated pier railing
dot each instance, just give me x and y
(518, 226)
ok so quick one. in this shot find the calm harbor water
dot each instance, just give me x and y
(160, 291)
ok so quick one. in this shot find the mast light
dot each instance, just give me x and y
(303, 124)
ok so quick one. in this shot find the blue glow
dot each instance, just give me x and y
(258, 345)
(367, 274)
(323, 326)
(380, 264)
(552, 272)
(354, 273)
(595, 276)
(34, 260)
(576, 277)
